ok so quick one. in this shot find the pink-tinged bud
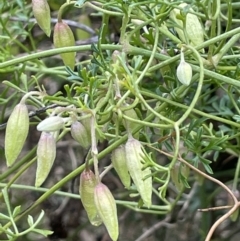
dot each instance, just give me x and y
(63, 37)
(119, 163)
(141, 177)
(41, 12)
(46, 153)
(88, 183)
(16, 132)
(80, 134)
(52, 123)
(107, 209)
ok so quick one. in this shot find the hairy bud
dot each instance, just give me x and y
(80, 134)
(107, 209)
(46, 153)
(63, 37)
(16, 132)
(88, 183)
(41, 12)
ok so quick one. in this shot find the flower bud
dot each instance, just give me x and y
(80, 134)
(63, 37)
(16, 132)
(46, 153)
(135, 159)
(52, 123)
(41, 12)
(194, 29)
(107, 209)
(88, 183)
(184, 71)
(119, 163)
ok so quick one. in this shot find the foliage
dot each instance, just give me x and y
(165, 91)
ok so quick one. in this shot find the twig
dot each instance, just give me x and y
(34, 113)
(225, 216)
(54, 20)
(213, 208)
(154, 228)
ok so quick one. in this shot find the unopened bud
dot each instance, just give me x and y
(46, 153)
(184, 71)
(88, 183)
(16, 132)
(41, 12)
(107, 209)
(63, 37)
(80, 134)
(52, 123)
(141, 178)
(119, 163)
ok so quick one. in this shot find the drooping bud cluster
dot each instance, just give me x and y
(46, 153)
(63, 37)
(194, 29)
(41, 12)
(184, 71)
(141, 177)
(16, 132)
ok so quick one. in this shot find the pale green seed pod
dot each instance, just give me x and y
(194, 29)
(135, 160)
(119, 163)
(80, 134)
(16, 133)
(46, 153)
(88, 183)
(52, 123)
(63, 37)
(107, 209)
(41, 12)
(184, 71)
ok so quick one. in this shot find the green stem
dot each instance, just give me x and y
(61, 9)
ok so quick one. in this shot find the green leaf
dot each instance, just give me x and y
(44, 232)
(30, 220)
(3, 216)
(16, 211)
